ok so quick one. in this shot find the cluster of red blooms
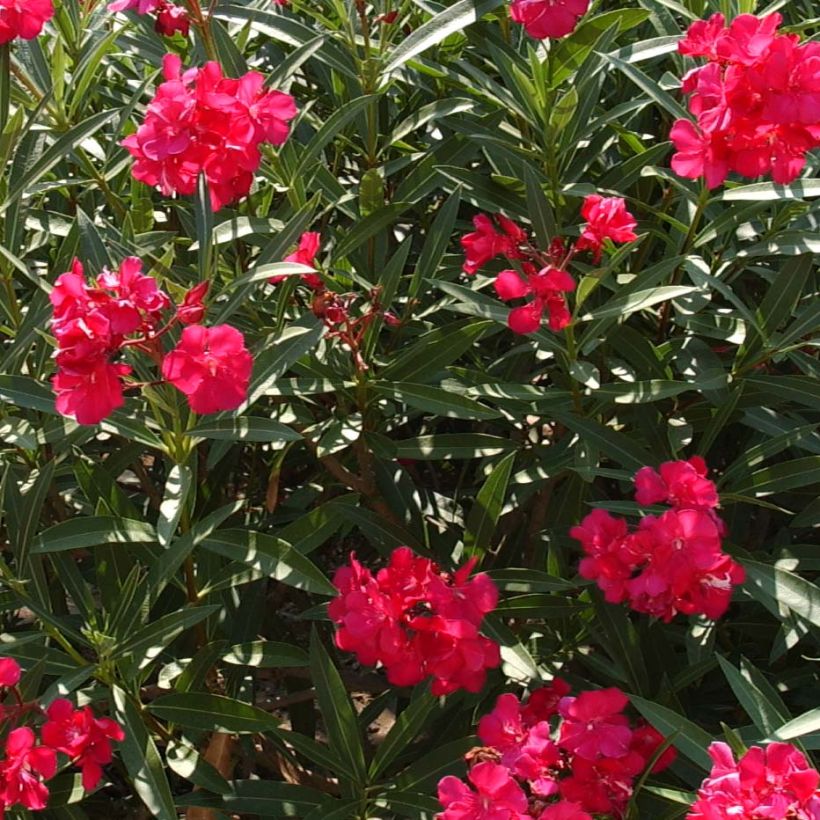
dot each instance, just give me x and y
(27, 764)
(776, 783)
(544, 19)
(23, 18)
(200, 122)
(170, 18)
(417, 621)
(554, 758)
(756, 101)
(672, 563)
(543, 276)
(94, 322)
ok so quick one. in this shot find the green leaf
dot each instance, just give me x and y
(453, 19)
(436, 401)
(177, 487)
(766, 716)
(787, 588)
(651, 88)
(212, 713)
(270, 556)
(275, 359)
(407, 727)
(146, 643)
(805, 724)
(58, 151)
(245, 428)
(24, 391)
(787, 475)
(336, 708)
(331, 128)
(141, 758)
(540, 211)
(368, 227)
(204, 229)
(260, 798)
(186, 762)
(436, 242)
(266, 655)
(489, 502)
(91, 531)
(640, 300)
(453, 445)
(767, 191)
(434, 351)
(618, 446)
(689, 738)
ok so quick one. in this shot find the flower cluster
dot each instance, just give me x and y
(671, 563)
(23, 18)
(755, 102)
(544, 19)
(417, 621)
(554, 758)
(543, 276)
(774, 782)
(27, 763)
(170, 18)
(94, 322)
(200, 122)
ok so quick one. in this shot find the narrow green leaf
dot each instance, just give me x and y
(453, 19)
(336, 708)
(212, 713)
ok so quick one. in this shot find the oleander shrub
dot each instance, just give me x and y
(409, 409)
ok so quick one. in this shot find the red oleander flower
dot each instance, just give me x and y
(416, 621)
(679, 483)
(544, 19)
(756, 103)
(607, 218)
(24, 769)
(564, 810)
(543, 702)
(305, 254)
(547, 287)
(584, 766)
(211, 366)
(487, 241)
(201, 122)
(81, 736)
(593, 726)
(88, 394)
(172, 19)
(496, 796)
(91, 322)
(9, 672)
(139, 6)
(772, 782)
(23, 18)
(671, 564)
(192, 309)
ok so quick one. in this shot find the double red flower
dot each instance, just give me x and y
(23, 18)
(756, 102)
(672, 563)
(417, 621)
(200, 122)
(558, 757)
(94, 322)
(775, 781)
